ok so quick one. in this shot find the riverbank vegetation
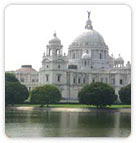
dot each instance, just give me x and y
(72, 106)
(98, 94)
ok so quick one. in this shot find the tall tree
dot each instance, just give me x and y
(10, 78)
(98, 94)
(46, 94)
(15, 92)
(125, 94)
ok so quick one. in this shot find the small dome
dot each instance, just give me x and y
(128, 64)
(86, 56)
(119, 59)
(55, 40)
(26, 69)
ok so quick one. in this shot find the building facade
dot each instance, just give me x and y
(87, 61)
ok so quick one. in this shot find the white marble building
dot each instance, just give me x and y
(88, 61)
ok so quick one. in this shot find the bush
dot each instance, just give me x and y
(98, 94)
(46, 94)
(15, 93)
(125, 94)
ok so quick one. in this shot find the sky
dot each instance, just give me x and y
(28, 28)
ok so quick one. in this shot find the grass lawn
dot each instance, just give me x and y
(71, 106)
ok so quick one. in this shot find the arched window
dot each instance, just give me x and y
(50, 52)
(57, 51)
(85, 63)
(59, 66)
(74, 80)
(100, 56)
(73, 57)
(58, 77)
(47, 77)
(121, 81)
(79, 80)
(83, 80)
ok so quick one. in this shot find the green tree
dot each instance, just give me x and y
(15, 93)
(46, 94)
(125, 94)
(98, 94)
(10, 77)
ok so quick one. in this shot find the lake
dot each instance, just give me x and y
(67, 124)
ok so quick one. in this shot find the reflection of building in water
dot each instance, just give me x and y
(88, 61)
(69, 120)
(36, 123)
(117, 119)
(117, 123)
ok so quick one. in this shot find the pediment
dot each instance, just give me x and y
(60, 61)
(46, 60)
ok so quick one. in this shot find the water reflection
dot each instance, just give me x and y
(74, 124)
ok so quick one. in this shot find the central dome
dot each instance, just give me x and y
(89, 46)
(88, 39)
(90, 36)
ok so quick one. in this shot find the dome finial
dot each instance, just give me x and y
(88, 22)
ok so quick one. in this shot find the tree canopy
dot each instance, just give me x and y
(15, 93)
(98, 94)
(125, 94)
(46, 94)
(10, 78)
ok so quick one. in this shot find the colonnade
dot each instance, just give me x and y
(95, 54)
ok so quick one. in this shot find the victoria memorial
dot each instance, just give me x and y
(87, 61)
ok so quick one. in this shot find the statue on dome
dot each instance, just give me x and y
(88, 14)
